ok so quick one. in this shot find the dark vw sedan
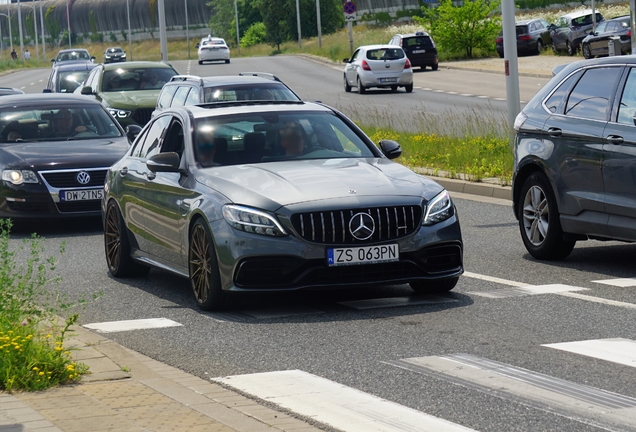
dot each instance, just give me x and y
(575, 158)
(274, 196)
(55, 150)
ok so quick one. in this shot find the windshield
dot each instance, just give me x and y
(69, 81)
(53, 124)
(239, 92)
(136, 79)
(270, 137)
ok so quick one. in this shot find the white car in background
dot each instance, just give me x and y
(383, 66)
(213, 49)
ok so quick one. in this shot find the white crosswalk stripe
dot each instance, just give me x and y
(621, 351)
(336, 405)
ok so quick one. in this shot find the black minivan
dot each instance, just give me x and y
(419, 48)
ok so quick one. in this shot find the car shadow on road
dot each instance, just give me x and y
(303, 306)
(57, 228)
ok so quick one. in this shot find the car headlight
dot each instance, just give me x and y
(106, 56)
(438, 209)
(123, 56)
(252, 221)
(119, 113)
(17, 177)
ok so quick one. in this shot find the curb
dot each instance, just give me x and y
(475, 188)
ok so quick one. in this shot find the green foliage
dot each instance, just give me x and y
(92, 22)
(124, 35)
(467, 28)
(277, 30)
(52, 25)
(222, 19)
(32, 356)
(113, 37)
(254, 35)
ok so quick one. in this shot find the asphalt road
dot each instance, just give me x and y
(475, 357)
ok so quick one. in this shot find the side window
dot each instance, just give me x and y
(591, 96)
(555, 101)
(194, 97)
(180, 96)
(139, 143)
(166, 96)
(355, 55)
(627, 108)
(173, 141)
(153, 137)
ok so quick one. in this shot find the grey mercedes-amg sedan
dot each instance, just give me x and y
(274, 196)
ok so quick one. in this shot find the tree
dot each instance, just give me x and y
(222, 19)
(274, 13)
(254, 35)
(474, 25)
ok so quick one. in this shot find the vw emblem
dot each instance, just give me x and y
(362, 226)
(83, 177)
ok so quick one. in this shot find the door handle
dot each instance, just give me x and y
(123, 171)
(555, 132)
(614, 139)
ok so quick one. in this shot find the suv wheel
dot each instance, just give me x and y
(539, 220)
(539, 46)
(569, 48)
(346, 84)
(435, 66)
(554, 48)
(587, 52)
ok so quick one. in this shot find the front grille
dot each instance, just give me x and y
(333, 226)
(142, 115)
(68, 179)
(79, 206)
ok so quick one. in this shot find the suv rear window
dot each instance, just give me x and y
(422, 41)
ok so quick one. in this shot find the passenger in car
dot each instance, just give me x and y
(11, 132)
(63, 124)
(291, 139)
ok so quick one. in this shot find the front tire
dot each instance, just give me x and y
(200, 62)
(347, 87)
(539, 220)
(554, 47)
(361, 88)
(204, 269)
(539, 46)
(569, 48)
(227, 61)
(587, 52)
(117, 246)
(434, 286)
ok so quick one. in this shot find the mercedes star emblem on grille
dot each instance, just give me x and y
(362, 226)
(83, 177)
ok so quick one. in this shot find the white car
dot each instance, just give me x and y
(383, 66)
(213, 49)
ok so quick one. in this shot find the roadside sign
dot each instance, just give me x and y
(349, 11)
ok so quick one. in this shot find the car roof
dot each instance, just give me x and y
(580, 13)
(620, 18)
(528, 21)
(408, 35)
(54, 100)
(113, 48)
(74, 66)
(137, 64)
(71, 50)
(250, 107)
(214, 81)
(601, 61)
(380, 46)
(10, 91)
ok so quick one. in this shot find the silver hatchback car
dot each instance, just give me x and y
(383, 66)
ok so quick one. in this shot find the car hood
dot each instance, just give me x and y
(131, 99)
(275, 184)
(63, 154)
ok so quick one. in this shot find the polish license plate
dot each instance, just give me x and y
(388, 80)
(363, 255)
(419, 51)
(82, 195)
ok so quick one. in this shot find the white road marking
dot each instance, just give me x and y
(623, 283)
(495, 279)
(581, 403)
(621, 351)
(396, 301)
(139, 324)
(334, 404)
(466, 94)
(599, 300)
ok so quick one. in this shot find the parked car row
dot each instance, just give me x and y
(584, 31)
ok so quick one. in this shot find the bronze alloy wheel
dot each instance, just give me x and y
(117, 246)
(204, 270)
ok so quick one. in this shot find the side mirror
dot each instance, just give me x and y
(47, 90)
(87, 90)
(132, 131)
(345, 60)
(93, 57)
(390, 148)
(164, 162)
(53, 60)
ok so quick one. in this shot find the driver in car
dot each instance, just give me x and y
(63, 124)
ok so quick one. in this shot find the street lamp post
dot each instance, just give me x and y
(187, 29)
(129, 32)
(318, 23)
(10, 34)
(68, 22)
(35, 26)
(9, 20)
(162, 30)
(238, 37)
(42, 27)
(20, 30)
(300, 40)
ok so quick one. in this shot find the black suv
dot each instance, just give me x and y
(419, 48)
(575, 158)
(192, 90)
